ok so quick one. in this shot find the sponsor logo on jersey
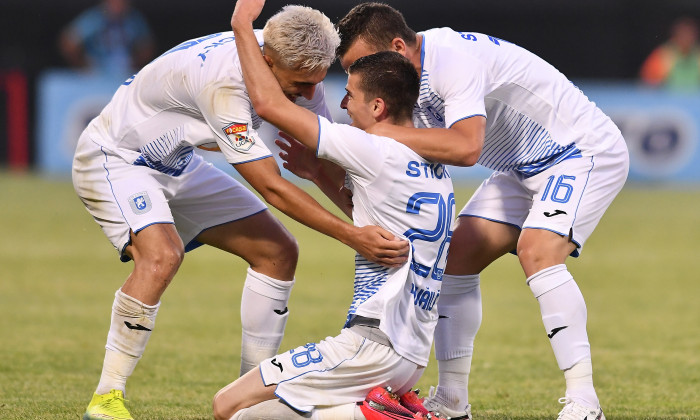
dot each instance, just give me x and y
(140, 203)
(237, 135)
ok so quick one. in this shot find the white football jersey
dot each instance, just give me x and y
(535, 116)
(191, 96)
(413, 198)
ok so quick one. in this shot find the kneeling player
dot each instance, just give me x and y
(387, 336)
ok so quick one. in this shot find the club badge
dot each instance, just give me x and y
(140, 203)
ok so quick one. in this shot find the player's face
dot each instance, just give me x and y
(358, 49)
(296, 83)
(358, 108)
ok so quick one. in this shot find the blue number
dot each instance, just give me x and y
(560, 185)
(441, 230)
(308, 356)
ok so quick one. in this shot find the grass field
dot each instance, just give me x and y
(58, 274)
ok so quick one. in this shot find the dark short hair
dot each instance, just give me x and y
(377, 24)
(390, 76)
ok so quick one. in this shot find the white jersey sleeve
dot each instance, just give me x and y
(462, 100)
(227, 111)
(536, 117)
(351, 148)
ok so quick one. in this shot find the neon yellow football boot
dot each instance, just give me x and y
(107, 406)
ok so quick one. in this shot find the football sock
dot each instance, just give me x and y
(453, 382)
(263, 318)
(564, 316)
(579, 384)
(459, 308)
(131, 327)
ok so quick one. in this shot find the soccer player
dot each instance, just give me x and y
(136, 172)
(388, 333)
(558, 163)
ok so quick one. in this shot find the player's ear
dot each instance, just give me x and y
(378, 109)
(399, 45)
(268, 60)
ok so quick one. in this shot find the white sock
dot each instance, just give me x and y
(263, 318)
(460, 311)
(579, 384)
(130, 329)
(564, 316)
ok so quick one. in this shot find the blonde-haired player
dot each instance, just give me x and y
(137, 173)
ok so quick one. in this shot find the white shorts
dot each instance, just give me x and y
(569, 198)
(338, 370)
(122, 197)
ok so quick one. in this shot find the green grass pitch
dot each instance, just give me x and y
(638, 272)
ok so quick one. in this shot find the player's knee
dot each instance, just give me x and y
(219, 413)
(536, 252)
(283, 255)
(164, 262)
(223, 408)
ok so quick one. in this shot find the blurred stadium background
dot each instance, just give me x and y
(639, 274)
(599, 44)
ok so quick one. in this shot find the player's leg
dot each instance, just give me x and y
(487, 228)
(561, 220)
(157, 252)
(542, 254)
(327, 375)
(272, 253)
(244, 392)
(213, 208)
(122, 197)
(276, 409)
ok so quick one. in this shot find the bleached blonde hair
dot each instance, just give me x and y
(302, 38)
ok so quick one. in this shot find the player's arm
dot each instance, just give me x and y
(459, 145)
(328, 176)
(372, 242)
(264, 91)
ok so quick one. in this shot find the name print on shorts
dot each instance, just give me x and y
(140, 203)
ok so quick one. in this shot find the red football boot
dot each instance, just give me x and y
(413, 402)
(387, 401)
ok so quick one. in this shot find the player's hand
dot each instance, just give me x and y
(381, 246)
(298, 159)
(246, 11)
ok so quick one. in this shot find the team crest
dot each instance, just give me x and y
(237, 134)
(140, 203)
